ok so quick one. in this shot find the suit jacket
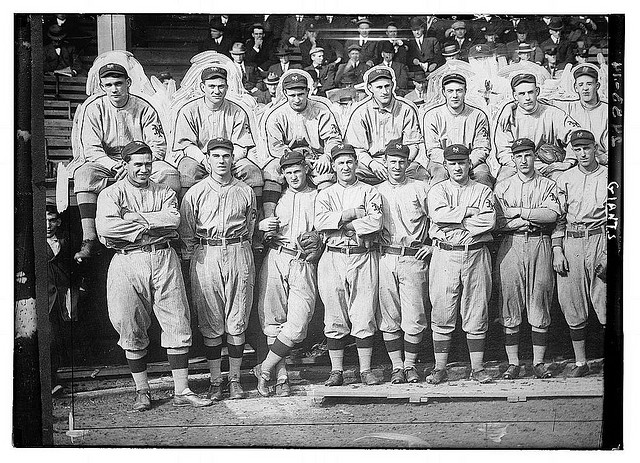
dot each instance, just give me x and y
(277, 69)
(512, 51)
(68, 58)
(368, 50)
(400, 52)
(263, 58)
(566, 50)
(479, 26)
(233, 28)
(326, 75)
(430, 52)
(225, 45)
(293, 28)
(332, 50)
(338, 28)
(60, 276)
(251, 77)
(356, 74)
(262, 96)
(464, 48)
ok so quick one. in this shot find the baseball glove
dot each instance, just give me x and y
(312, 246)
(550, 153)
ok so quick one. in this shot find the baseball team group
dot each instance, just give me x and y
(386, 220)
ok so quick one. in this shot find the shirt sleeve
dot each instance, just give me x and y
(275, 137)
(325, 217)
(186, 135)
(567, 125)
(549, 209)
(187, 228)
(411, 133)
(241, 133)
(481, 142)
(503, 139)
(440, 212)
(356, 135)
(109, 222)
(485, 220)
(561, 224)
(328, 131)
(168, 217)
(91, 135)
(372, 221)
(252, 214)
(153, 133)
(435, 152)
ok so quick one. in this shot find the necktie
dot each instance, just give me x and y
(419, 43)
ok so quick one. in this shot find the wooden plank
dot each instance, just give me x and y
(57, 113)
(59, 141)
(58, 123)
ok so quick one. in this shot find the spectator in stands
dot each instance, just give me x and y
(60, 55)
(165, 78)
(514, 49)
(399, 45)
(424, 53)
(333, 27)
(354, 68)
(399, 69)
(249, 72)
(293, 30)
(217, 40)
(450, 51)
(564, 48)
(333, 50)
(551, 61)
(483, 22)
(268, 95)
(419, 92)
(582, 55)
(490, 39)
(67, 26)
(367, 44)
(284, 55)
(231, 27)
(523, 53)
(259, 49)
(323, 74)
(460, 37)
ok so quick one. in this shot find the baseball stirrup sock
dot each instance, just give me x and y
(579, 334)
(365, 343)
(441, 348)
(410, 352)
(139, 372)
(336, 356)
(394, 349)
(213, 352)
(476, 352)
(511, 346)
(364, 357)
(336, 344)
(180, 380)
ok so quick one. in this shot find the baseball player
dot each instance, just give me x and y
(110, 121)
(527, 209)
(214, 116)
(349, 213)
(379, 119)
(138, 218)
(547, 126)
(462, 216)
(580, 244)
(218, 219)
(588, 110)
(299, 123)
(287, 286)
(403, 264)
(457, 122)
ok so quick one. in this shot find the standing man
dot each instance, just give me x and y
(544, 124)
(379, 119)
(580, 244)
(349, 213)
(213, 116)
(527, 209)
(138, 218)
(110, 121)
(218, 219)
(462, 216)
(403, 264)
(457, 122)
(287, 287)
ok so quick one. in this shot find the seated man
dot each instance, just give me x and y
(60, 55)
(353, 70)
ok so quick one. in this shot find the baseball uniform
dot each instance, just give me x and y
(594, 119)
(216, 227)
(581, 232)
(371, 127)
(349, 284)
(196, 124)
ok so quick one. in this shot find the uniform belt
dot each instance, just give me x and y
(529, 233)
(399, 250)
(458, 247)
(222, 241)
(584, 233)
(145, 248)
(291, 252)
(351, 249)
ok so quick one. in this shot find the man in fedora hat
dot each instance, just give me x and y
(284, 57)
(399, 45)
(399, 69)
(217, 40)
(60, 55)
(354, 68)
(367, 44)
(450, 51)
(514, 48)
(419, 92)
(565, 49)
(267, 96)
(249, 72)
(424, 53)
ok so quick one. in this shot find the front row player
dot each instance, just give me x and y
(580, 244)
(403, 263)
(218, 218)
(527, 209)
(349, 213)
(138, 218)
(462, 216)
(287, 287)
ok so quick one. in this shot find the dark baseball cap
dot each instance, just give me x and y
(294, 80)
(219, 142)
(112, 70)
(522, 79)
(456, 153)
(457, 78)
(379, 73)
(585, 71)
(581, 138)
(291, 158)
(135, 147)
(343, 149)
(396, 148)
(213, 72)
(522, 144)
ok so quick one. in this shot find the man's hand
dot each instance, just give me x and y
(471, 211)
(379, 170)
(119, 172)
(270, 224)
(560, 264)
(370, 63)
(512, 212)
(424, 252)
(322, 165)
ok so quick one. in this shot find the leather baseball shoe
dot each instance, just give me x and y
(437, 376)
(397, 376)
(235, 390)
(143, 401)
(578, 371)
(512, 372)
(335, 378)
(215, 392)
(412, 375)
(188, 398)
(263, 378)
(283, 389)
(481, 376)
(541, 371)
(88, 249)
(367, 377)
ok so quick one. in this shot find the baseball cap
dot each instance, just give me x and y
(213, 72)
(458, 25)
(455, 77)
(219, 142)
(396, 148)
(135, 147)
(342, 149)
(522, 144)
(294, 80)
(522, 79)
(585, 71)
(112, 70)
(354, 46)
(315, 50)
(379, 73)
(456, 153)
(581, 138)
(291, 158)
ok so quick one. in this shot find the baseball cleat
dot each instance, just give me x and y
(367, 377)
(541, 371)
(283, 389)
(89, 248)
(512, 372)
(189, 399)
(143, 401)
(397, 376)
(578, 371)
(235, 390)
(481, 376)
(215, 392)
(263, 378)
(335, 378)
(412, 375)
(437, 376)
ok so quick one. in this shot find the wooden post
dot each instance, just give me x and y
(112, 32)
